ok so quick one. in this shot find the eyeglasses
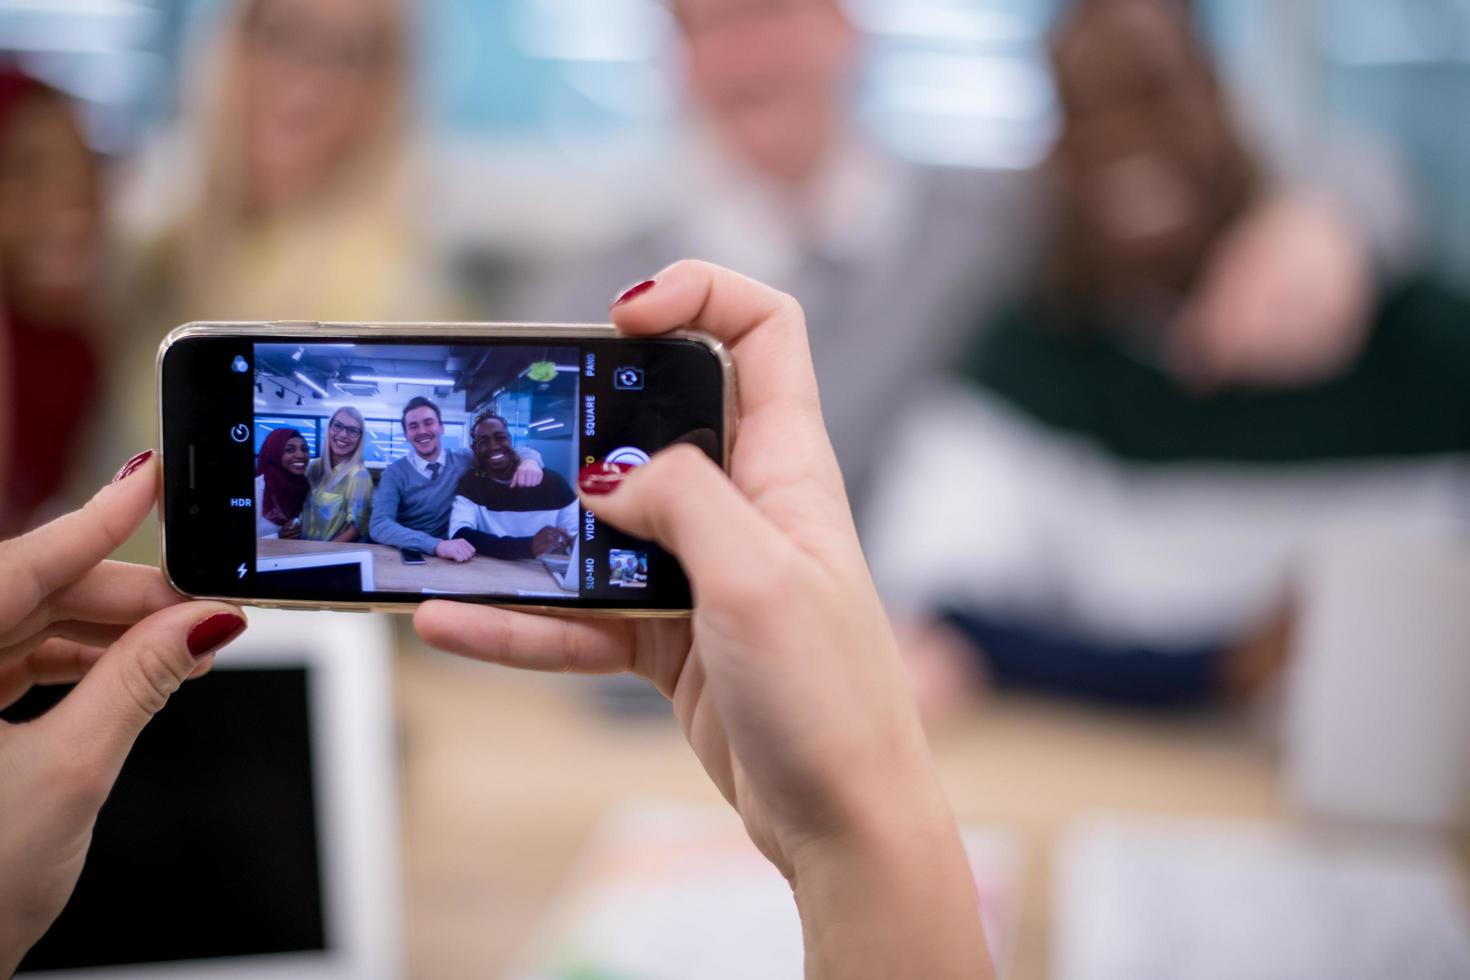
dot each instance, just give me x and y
(308, 45)
(350, 430)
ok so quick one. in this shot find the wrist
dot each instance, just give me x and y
(893, 895)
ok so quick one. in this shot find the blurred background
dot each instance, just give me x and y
(1141, 333)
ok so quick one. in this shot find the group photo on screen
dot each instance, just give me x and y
(416, 468)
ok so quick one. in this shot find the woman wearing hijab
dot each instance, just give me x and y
(341, 497)
(50, 235)
(280, 485)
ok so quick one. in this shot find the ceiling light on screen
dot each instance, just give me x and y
(311, 384)
(396, 380)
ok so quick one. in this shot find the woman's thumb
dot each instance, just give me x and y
(100, 719)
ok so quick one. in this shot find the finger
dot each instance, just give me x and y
(37, 564)
(56, 661)
(115, 592)
(526, 641)
(99, 720)
(687, 504)
(112, 592)
(763, 327)
(90, 634)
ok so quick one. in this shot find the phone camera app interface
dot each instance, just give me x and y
(416, 468)
(628, 379)
(627, 569)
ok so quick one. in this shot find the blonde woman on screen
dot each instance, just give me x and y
(341, 499)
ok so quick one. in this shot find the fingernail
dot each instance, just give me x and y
(602, 477)
(212, 633)
(132, 465)
(633, 292)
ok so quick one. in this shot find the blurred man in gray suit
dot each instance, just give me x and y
(890, 261)
(897, 265)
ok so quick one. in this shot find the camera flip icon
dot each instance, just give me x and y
(628, 379)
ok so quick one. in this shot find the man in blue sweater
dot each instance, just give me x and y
(412, 503)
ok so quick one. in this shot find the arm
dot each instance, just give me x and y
(385, 528)
(1036, 657)
(464, 525)
(788, 684)
(1285, 299)
(530, 472)
(494, 546)
(462, 515)
(865, 902)
(566, 519)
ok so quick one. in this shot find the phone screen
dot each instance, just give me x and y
(313, 469)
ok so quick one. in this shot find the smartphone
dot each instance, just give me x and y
(305, 463)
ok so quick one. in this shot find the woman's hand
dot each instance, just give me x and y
(291, 529)
(786, 680)
(66, 615)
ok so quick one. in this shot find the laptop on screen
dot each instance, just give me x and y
(341, 571)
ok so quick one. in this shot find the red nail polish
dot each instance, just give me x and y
(633, 292)
(212, 633)
(132, 465)
(602, 477)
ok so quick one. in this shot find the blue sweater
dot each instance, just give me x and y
(410, 510)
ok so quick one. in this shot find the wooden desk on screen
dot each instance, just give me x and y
(390, 574)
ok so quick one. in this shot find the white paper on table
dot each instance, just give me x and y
(670, 891)
(1149, 899)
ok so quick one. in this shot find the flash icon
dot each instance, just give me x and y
(240, 572)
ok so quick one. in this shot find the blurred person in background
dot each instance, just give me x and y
(51, 315)
(1144, 446)
(886, 257)
(341, 500)
(299, 207)
(895, 263)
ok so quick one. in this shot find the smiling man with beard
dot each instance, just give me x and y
(505, 521)
(411, 505)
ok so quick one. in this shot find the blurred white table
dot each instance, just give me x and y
(505, 775)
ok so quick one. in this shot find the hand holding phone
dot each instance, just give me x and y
(128, 642)
(788, 666)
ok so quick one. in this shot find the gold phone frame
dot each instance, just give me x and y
(306, 330)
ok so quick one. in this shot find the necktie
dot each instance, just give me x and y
(434, 471)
